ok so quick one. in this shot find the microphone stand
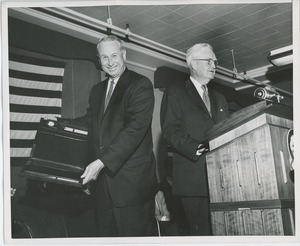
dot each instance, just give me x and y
(245, 79)
(264, 91)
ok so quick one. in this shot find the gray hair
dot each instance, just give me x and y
(110, 38)
(193, 48)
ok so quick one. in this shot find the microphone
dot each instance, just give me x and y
(268, 93)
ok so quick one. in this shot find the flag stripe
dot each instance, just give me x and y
(16, 134)
(35, 61)
(26, 117)
(18, 161)
(20, 152)
(34, 92)
(24, 143)
(35, 77)
(35, 84)
(36, 69)
(23, 125)
(35, 101)
(34, 109)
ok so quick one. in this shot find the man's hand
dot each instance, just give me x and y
(201, 150)
(92, 171)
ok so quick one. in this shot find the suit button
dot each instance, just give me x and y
(101, 147)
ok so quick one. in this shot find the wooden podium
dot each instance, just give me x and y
(248, 168)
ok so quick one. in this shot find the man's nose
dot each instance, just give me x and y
(110, 61)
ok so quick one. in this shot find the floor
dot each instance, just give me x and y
(45, 212)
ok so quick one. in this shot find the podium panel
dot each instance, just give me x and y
(248, 175)
(271, 222)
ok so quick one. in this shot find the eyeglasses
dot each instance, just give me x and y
(209, 61)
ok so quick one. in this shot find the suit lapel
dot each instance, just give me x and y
(101, 99)
(195, 95)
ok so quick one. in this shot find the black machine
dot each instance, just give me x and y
(59, 153)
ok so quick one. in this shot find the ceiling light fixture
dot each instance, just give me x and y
(282, 56)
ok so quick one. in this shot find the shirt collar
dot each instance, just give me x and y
(196, 83)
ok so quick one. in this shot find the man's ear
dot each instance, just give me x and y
(124, 54)
(193, 65)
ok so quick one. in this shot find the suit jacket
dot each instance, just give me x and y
(185, 121)
(122, 139)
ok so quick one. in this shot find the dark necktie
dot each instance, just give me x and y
(206, 98)
(110, 91)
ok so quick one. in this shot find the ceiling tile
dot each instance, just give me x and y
(282, 25)
(214, 24)
(122, 24)
(115, 7)
(241, 49)
(201, 17)
(282, 7)
(141, 8)
(179, 37)
(221, 9)
(288, 14)
(157, 11)
(286, 32)
(122, 12)
(171, 18)
(218, 43)
(265, 23)
(279, 43)
(150, 27)
(264, 14)
(263, 50)
(170, 41)
(224, 54)
(140, 20)
(242, 40)
(242, 52)
(233, 16)
(162, 33)
(264, 32)
(208, 35)
(244, 22)
(224, 29)
(237, 34)
(189, 10)
(185, 24)
(196, 31)
(257, 42)
(186, 44)
(273, 36)
(253, 8)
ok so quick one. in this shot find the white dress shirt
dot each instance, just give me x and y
(198, 86)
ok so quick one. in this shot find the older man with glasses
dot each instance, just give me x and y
(189, 110)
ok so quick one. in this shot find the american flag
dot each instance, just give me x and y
(35, 88)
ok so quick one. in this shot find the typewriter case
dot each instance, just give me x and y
(58, 154)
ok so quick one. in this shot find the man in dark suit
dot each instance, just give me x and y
(119, 120)
(188, 111)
